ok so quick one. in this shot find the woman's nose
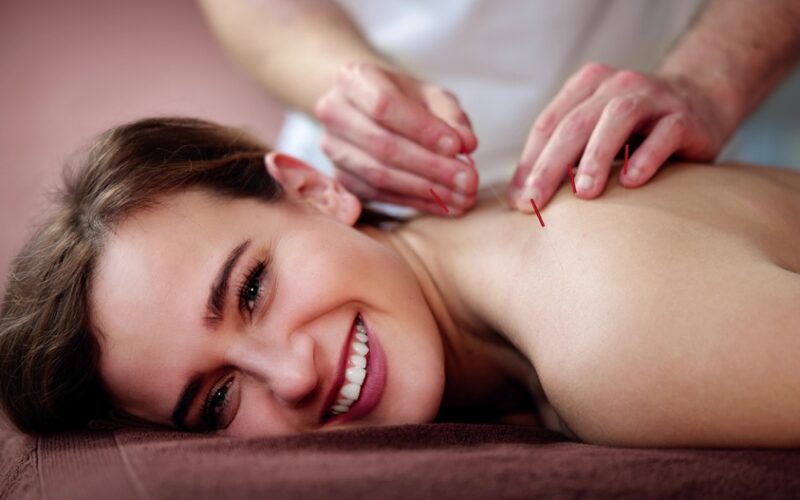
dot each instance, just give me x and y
(287, 367)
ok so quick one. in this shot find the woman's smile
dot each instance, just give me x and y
(300, 348)
(360, 380)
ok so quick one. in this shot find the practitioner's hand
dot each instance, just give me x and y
(594, 116)
(392, 138)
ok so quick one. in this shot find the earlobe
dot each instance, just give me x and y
(302, 181)
(348, 205)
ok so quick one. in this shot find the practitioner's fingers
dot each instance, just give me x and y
(563, 149)
(395, 152)
(665, 139)
(373, 91)
(620, 118)
(428, 204)
(445, 105)
(385, 181)
(578, 88)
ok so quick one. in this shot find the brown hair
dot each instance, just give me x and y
(49, 354)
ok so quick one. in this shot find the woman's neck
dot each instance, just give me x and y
(483, 369)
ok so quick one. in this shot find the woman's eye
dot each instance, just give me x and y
(251, 294)
(250, 290)
(214, 408)
(218, 400)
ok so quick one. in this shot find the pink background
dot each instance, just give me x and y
(69, 70)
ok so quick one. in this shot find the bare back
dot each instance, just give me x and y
(664, 315)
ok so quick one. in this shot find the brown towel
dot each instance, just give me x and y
(421, 461)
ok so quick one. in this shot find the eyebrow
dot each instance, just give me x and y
(215, 306)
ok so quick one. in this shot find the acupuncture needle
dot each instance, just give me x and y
(471, 163)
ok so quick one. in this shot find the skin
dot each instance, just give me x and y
(694, 101)
(154, 278)
(393, 136)
(698, 350)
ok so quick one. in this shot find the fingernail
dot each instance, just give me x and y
(458, 199)
(524, 201)
(584, 182)
(634, 174)
(460, 181)
(445, 144)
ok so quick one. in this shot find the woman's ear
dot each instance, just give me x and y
(315, 188)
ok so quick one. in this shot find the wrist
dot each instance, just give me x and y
(707, 76)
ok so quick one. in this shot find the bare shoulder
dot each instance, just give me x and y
(675, 316)
(689, 331)
(710, 363)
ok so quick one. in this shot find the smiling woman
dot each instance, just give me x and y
(50, 346)
(192, 279)
(179, 235)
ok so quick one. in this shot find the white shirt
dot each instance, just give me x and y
(504, 59)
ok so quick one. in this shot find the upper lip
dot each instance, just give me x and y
(338, 377)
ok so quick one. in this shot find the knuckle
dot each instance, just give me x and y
(379, 103)
(334, 151)
(678, 123)
(628, 78)
(680, 107)
(350, 72)
(578, 125)
(324, 108)
(377, 177)
(442, 92)
(593, 70)
(384, 147)
(430, 132)
(624, 105)
(595, 156)
(545, 123)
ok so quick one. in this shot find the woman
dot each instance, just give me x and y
(187, 282)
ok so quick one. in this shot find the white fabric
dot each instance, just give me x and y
(504, 59)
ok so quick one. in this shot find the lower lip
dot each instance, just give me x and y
(374, 383)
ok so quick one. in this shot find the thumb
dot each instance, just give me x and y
(445, 106)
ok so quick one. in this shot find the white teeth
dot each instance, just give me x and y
(360, 348)
(351, 391)
(356, 371)
(355, 375)
(358, 361)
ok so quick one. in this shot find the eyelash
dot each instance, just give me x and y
(252, 279)
(210, 414)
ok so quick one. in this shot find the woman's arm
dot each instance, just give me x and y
(294, 48)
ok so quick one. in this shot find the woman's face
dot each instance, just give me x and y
(241, 315)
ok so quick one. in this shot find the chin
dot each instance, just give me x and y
(423, 407)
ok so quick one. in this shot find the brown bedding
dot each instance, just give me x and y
(421, 461)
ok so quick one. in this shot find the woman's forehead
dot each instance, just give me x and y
(157, 267)
(150, 289)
